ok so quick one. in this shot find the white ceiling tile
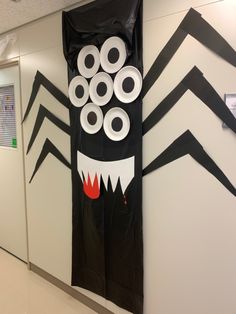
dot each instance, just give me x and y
(14, 14)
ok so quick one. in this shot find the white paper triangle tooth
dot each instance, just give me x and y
(92, 176)
(85, 168)
(105, 180)
(85, 176)
(125, 181)
(80, 173)
(120, 169)
(114, 180)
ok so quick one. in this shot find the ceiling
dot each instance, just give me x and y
(14, 14)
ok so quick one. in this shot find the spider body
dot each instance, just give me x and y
(106, 170)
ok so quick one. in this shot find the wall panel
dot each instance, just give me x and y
(189, 218)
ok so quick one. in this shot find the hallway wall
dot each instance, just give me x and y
(189, 218)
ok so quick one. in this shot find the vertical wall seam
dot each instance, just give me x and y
(24, 168)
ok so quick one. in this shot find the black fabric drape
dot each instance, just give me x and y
(107, 243)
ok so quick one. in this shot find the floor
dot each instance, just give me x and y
(23, 292)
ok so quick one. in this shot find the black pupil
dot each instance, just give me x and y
(128, 85)
(89, 61)
(113, 55)
(92, 118)
(117, 124)
(79, 91)
(101, 89)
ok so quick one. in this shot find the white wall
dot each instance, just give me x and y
(189, 217)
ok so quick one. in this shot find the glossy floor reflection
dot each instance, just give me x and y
(23, 292)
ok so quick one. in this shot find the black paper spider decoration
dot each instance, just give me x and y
(106, 137)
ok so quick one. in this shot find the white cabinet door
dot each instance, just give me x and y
(12, 199)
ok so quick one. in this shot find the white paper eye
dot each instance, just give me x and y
(91, 118)
(78, 91)
(101, 88)
(128, 84)
(88, 61)
(116, 124)
(113, 54)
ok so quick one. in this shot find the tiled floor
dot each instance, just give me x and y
(23, 292)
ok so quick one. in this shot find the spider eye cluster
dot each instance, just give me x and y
(93, 90)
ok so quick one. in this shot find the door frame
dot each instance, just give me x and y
(4, 65)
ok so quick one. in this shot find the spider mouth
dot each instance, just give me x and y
(92, 171)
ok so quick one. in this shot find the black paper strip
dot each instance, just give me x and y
(184, 145)
(164, 107)
(205, 91)
(162, 60)
(194, 25)
(39, 80)
(49, 147)
(42, 114)
(198, 85)
(202, 31)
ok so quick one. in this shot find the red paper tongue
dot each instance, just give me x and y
(92, 190)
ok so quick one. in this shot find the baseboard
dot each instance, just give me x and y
(98, 308)
(2, 248)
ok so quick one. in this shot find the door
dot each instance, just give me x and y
(12, 193)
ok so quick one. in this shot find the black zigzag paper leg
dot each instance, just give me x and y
(42, 114)
(39, 80)
(164, 107)
(194, 25)
(203, 32)
(49, 148)
(205, 91)
(198, 85)
(162, 60)
(184, 145)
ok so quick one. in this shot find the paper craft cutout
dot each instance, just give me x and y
(107, 198)
(88, 167)
(188, 144)
(41, 80)
(198, 85)
(194, 25)
(49, 148)
(42, 114)
(107, 190)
